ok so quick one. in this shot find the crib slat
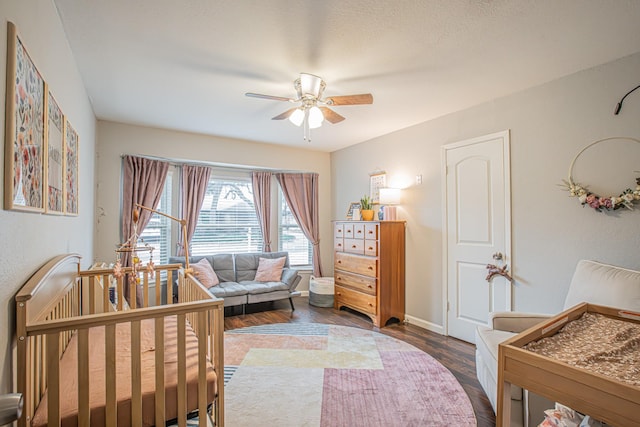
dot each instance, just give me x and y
(160, 392)
(92, 294)
(182, 372)
(120, 293)
(83, 377)
(145, 288)
(53, 370)
(169, 286)
(159, 289)
(106, 302)
(202, 368)
(111, 407)
(136, 374)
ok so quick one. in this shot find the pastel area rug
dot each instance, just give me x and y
(311, 374)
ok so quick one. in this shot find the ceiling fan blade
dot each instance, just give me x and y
(330, 115)
(285, 115)
(364, 98)
(275, 98)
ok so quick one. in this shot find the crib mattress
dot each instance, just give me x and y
(69, 384)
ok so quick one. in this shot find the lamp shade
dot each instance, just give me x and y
(315, 117)
(297, 117)
(389, 196)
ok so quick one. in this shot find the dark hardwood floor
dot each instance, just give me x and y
(458, 356)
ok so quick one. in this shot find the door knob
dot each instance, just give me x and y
(498, 256)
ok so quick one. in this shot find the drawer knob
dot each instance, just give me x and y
(339, 261)
(370, 248)
(370, 305)
(353, 246)
(370, 268)
(370, 287)
(338, 293)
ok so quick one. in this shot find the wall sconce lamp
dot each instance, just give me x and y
(388, 198)
(619, 105)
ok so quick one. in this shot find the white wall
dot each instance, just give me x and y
(115, 139)
(549, 125)
(28, 239)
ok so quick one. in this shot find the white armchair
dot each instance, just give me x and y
(592, 282)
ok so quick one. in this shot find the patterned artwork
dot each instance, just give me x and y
(55, 164)
(25, 123)
(71, 169)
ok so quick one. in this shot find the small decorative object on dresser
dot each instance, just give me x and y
(369, 274)
(366, 208)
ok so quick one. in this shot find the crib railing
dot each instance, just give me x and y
(98, 282)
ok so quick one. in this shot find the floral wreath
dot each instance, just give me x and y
(627, 197)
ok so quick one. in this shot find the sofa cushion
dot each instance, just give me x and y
(487, 341)
(604, 284)
(270, 270)
(205, 274)
(228, 289)
(259, 287)
(247, 264)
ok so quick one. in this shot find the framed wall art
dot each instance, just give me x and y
(377, 180)
(55, 171)
(71, 169)
(353, 206)
(24, 129)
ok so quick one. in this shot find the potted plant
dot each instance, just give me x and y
(366, 208)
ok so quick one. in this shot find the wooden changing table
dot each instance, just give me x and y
(602, 397)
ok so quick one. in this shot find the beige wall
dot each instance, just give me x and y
(550, 232)
(28, 239)
(115, 139)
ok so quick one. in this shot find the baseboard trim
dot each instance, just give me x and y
(438, 329)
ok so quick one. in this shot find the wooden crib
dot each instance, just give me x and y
(83, 360)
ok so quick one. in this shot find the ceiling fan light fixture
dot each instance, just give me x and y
(315, 117)
(297, 117)
(310, 84)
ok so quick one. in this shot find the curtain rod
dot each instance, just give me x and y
(178, 163)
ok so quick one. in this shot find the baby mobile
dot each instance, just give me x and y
(133, 246)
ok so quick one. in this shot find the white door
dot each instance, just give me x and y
(477, 225)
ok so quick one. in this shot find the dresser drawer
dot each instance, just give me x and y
(338, 244)
(355, 246)
(356, 281)
(371, 247)
(356, 264)
(358, 231)
(348, 230)
(356, 300)
(338, 229)
(371, 231)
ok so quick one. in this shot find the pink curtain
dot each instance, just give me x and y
(261, 182)
(301, 193)
(142, 184)
(194, 186)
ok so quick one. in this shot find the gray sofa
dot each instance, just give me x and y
(237, 272)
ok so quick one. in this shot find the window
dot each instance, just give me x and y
(157, 233)
(227, 222)
(290, 236)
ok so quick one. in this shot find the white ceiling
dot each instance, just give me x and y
(186, 65)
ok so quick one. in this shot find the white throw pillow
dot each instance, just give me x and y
(205, 274)
(270, 269)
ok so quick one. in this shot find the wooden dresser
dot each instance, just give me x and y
(369, 268)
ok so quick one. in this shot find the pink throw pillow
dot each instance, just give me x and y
(205, 274)
(270, 269)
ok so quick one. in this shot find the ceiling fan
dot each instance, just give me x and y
(313, 109)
